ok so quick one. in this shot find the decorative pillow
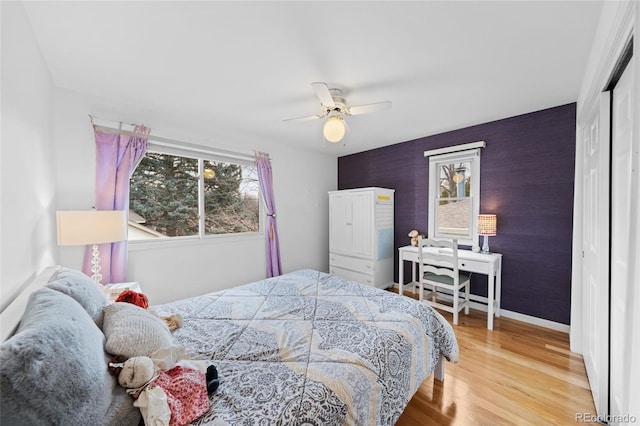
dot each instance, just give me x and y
(54, 369)
(83, 289)
(132, 331)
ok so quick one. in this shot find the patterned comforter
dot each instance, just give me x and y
(309, 348)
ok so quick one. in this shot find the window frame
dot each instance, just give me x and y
(454, 156)
(202, 154)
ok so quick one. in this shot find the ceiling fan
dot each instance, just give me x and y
(334, 107)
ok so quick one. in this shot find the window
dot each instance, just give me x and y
(177, 192)
(454, 195)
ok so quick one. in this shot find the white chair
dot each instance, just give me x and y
(438, 270)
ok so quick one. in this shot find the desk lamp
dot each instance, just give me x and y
(486, 228)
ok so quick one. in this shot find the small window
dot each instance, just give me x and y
(454, 188)
(177, 195)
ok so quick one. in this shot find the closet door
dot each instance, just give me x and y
(622, 324)
(595, 250)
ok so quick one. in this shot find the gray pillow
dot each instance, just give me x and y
(54, 369)
(83, 289)
(132, 331)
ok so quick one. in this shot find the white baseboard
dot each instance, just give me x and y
(519, 317)
(526, 318)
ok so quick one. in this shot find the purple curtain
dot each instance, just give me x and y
(117, 156)
(266, 187)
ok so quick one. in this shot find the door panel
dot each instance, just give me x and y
(339, 224)
(621, 186)
(362, 225)
(595, 137)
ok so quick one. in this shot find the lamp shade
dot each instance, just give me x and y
(85, 227)
(334, 129)
(487, 224)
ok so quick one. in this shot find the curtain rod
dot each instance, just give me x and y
(93, 122)
(172, 143)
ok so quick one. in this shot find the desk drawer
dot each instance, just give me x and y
(359, 265)
(473, 266)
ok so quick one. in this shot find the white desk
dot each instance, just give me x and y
(486, 264)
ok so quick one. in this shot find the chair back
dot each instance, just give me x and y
(442, 256)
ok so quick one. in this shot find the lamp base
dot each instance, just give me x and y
(485, 244)
(95, 265)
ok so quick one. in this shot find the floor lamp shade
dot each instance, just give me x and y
(91, 227)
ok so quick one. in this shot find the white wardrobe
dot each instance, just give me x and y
(361, 235)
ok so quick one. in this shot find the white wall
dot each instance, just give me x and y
(170, 271)
(27, 241)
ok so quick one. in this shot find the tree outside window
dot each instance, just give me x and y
(168, 192)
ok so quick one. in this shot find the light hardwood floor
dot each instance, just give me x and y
(517, 374)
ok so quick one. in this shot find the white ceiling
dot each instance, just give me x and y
(242, 67)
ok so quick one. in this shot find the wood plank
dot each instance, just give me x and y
(516, 374)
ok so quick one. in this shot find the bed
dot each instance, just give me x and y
(303, 348)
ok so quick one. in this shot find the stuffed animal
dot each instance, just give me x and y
(136, 372)
(176, 396)
(414, 237)
(134, 297)
(174, 321)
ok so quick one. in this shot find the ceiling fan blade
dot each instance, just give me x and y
(306, 118)
(322, 92)
(365, 109)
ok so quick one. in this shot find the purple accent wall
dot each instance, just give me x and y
(527, 173)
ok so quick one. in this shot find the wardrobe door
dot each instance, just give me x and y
(340, 223)
(363, 226)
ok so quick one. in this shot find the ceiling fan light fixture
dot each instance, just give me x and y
(334, 108)
(334, 129)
